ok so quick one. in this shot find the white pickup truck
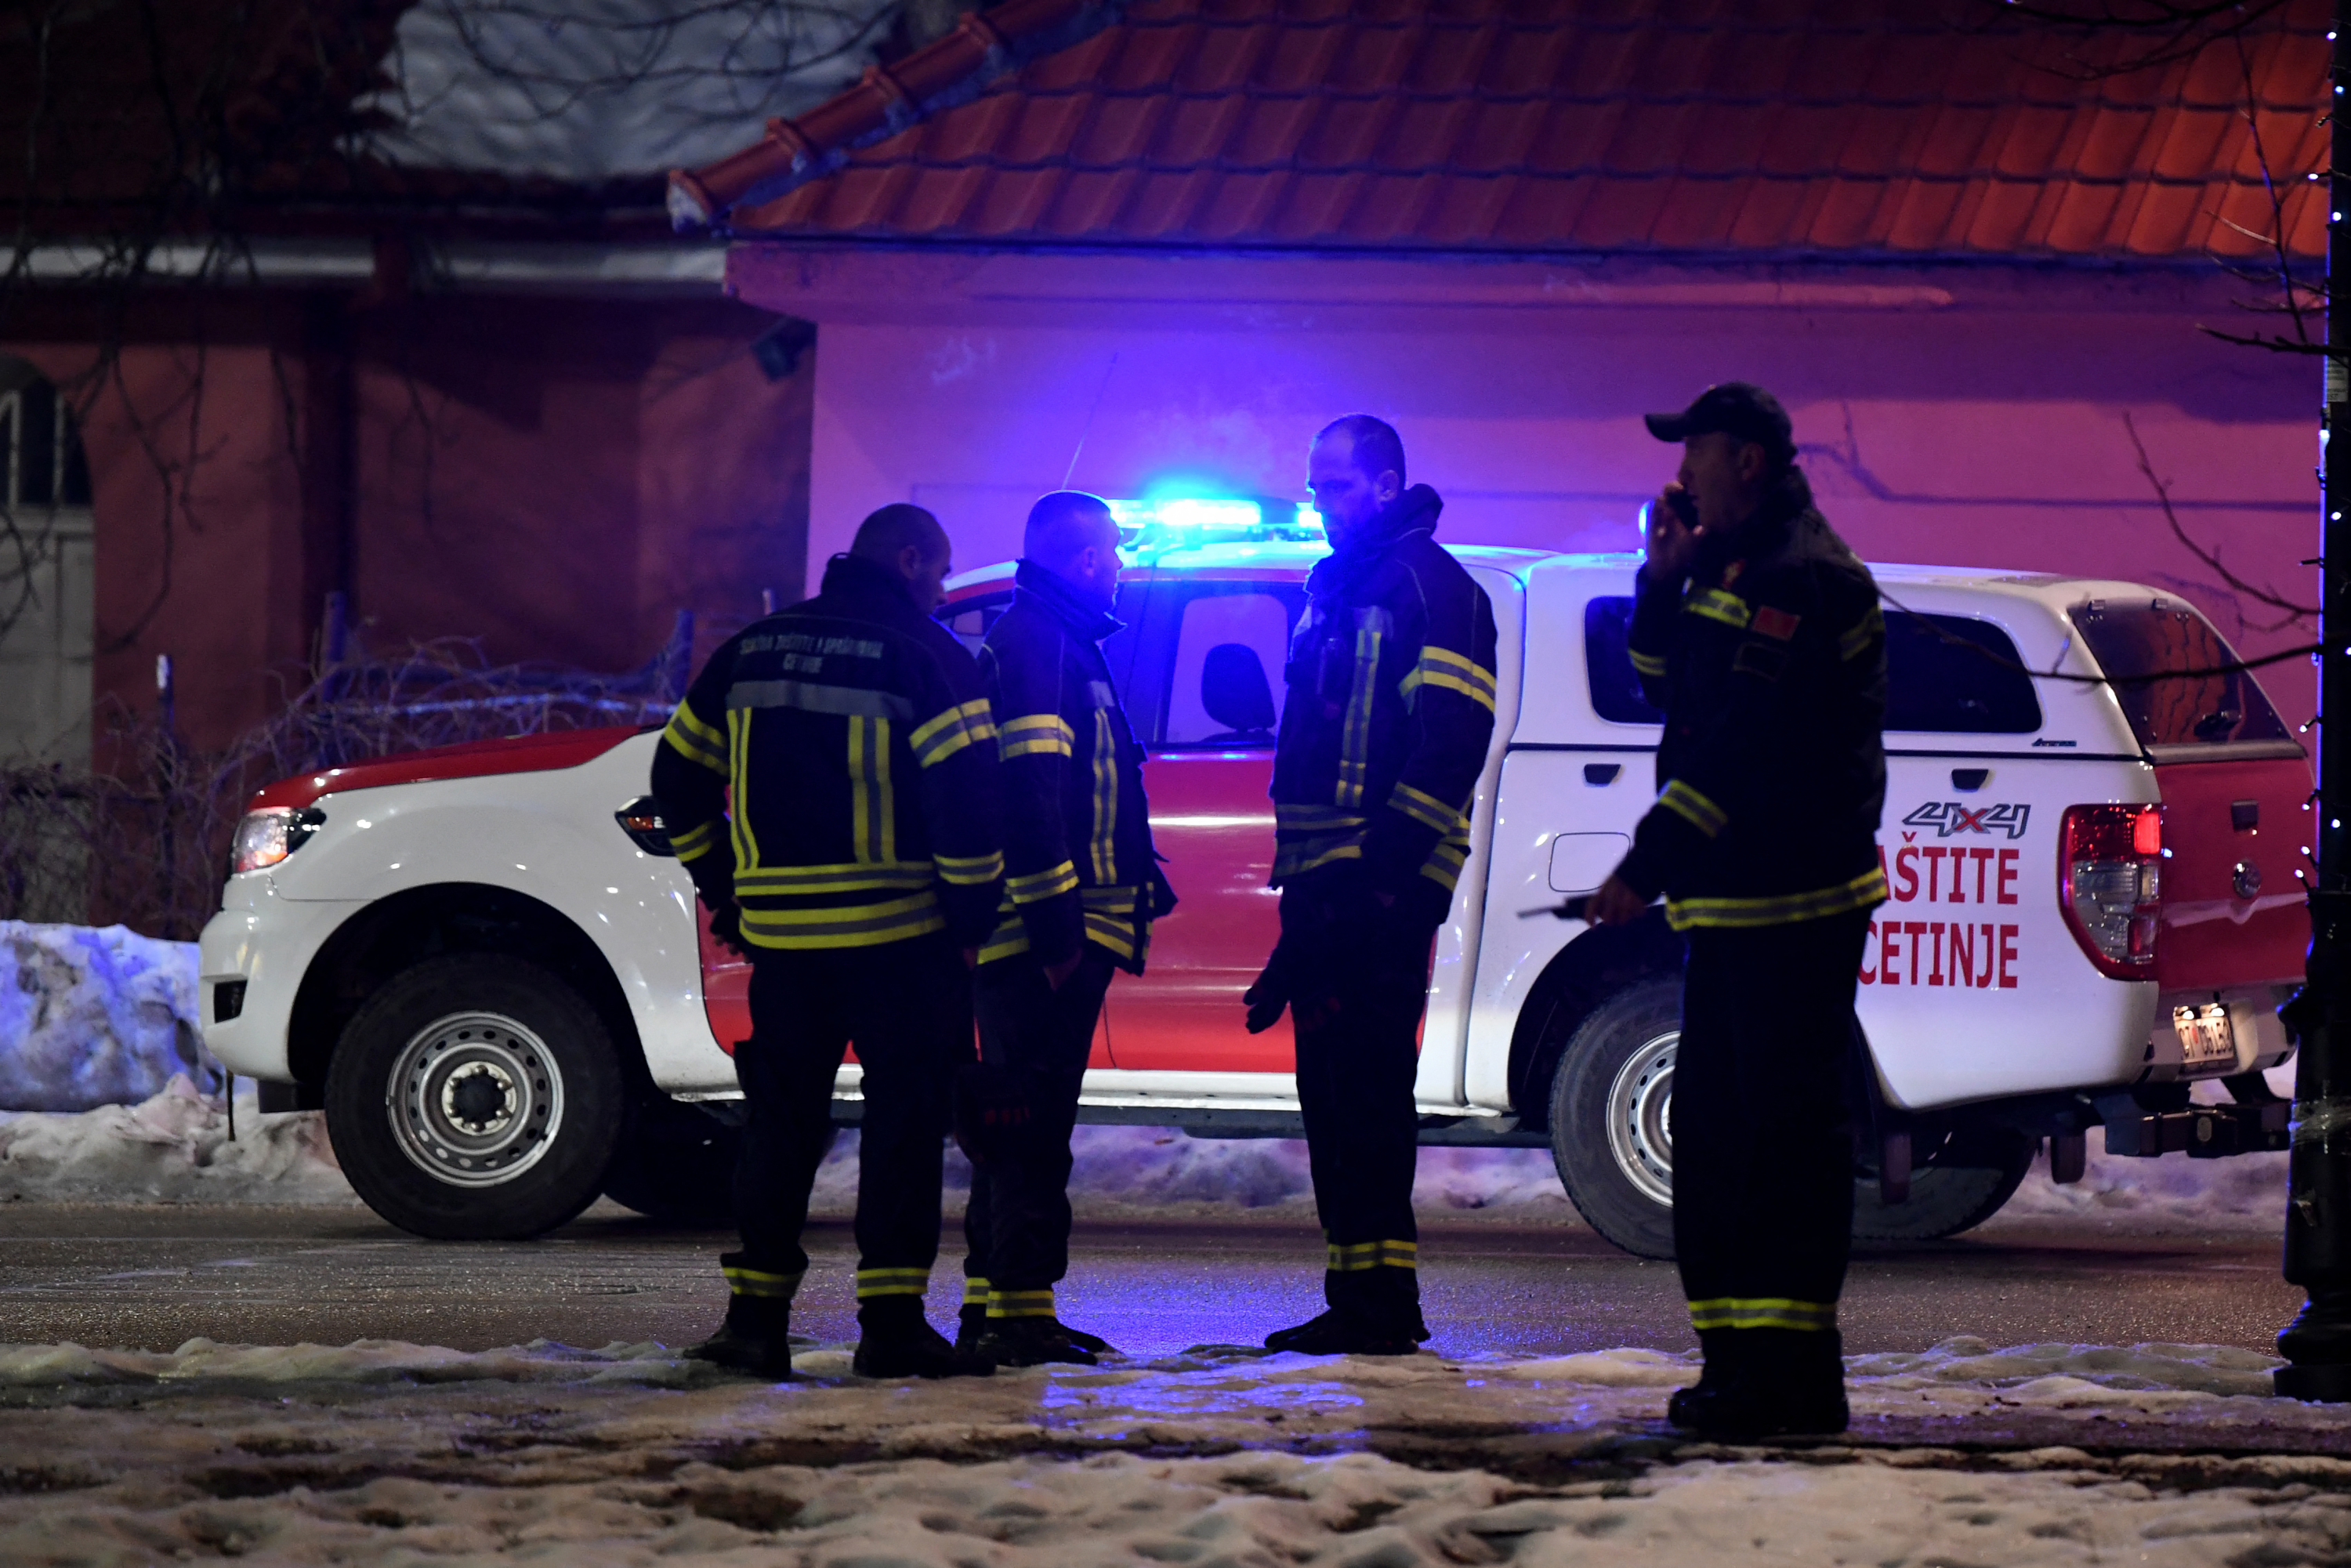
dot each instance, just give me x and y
(484, 966)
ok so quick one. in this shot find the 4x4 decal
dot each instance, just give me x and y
(1949, 817)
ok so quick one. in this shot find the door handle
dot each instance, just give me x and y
(1602, 772)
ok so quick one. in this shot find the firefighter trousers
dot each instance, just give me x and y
(1358, 984)
(1033, 1045)
(906, 1006)
(1764, 1166)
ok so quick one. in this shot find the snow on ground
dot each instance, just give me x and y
(176, 1148)
(172, 1148)
(383, 1453)
(94, 1016)
(108, 1018)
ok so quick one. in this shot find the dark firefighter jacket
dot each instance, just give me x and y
(1770, 664)
(1077, 832)
(1389, 711)
(857, 746)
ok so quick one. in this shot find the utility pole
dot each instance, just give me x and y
(2317, 1343)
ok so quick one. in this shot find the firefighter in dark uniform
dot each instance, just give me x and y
(858, 868)
(1758, 632)
(1383, 733)
(1082, 887)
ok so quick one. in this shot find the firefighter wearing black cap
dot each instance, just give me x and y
(858, 869)
(1383, 733)
(1082, 888)
(1758, 632)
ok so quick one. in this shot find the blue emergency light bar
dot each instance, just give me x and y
(1173, 522)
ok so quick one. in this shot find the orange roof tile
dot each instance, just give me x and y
(1886, 127)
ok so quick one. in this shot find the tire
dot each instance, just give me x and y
(1612, 1139)
(481, 1036)
(1968, 1178)
(1610, 1133)
(674, 1164)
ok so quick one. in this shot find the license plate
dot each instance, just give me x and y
(2207, 1039)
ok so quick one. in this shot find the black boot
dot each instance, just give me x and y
(1718, 1349)
(971, 1322)
(1032, 1341)
(1084, 1341)
(1344, 1331)
(894, 1340)
(756, 1337)
(1779, 1383)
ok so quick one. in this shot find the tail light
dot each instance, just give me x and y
(2110, 884)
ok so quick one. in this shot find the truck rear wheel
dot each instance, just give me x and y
(475, 1097)
(1612, 1131)
(1971, 1175)
(1612, 1138)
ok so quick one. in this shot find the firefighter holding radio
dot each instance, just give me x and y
(1383, 732)
(1758, 633)
(1082, 888)
(857, 866)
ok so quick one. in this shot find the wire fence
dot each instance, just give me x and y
(146, 844)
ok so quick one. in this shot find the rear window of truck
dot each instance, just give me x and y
(1945, 674)
(2138, 643)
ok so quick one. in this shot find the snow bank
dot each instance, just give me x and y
(387, 1453)
(95, 1017)
(2127, 1373)
(1357, 1510)
(173, 1148)
(2247, 1190)
(1118, 1167)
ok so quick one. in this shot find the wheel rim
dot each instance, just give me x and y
(1641, 1118)
(476, 1099)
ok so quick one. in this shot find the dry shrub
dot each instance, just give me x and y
(147, 844)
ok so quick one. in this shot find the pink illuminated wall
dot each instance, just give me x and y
(1957, 417)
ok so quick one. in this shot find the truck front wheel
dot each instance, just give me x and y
(475, 1097)
(1612, 1138)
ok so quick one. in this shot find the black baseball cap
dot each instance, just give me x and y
(1740, 409)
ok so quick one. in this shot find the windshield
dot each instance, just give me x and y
(2134, 639)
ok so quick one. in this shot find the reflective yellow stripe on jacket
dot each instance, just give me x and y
(858, 925)
(1864, 892)
(1444, 667)
(873, 800)
(945, 734)
(1308, 837)
(698, 742)
(1356, 729)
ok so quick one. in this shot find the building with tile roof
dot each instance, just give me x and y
(1158, 243)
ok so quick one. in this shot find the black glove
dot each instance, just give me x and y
(1270, 994)
(727, 928)
(992, 1111)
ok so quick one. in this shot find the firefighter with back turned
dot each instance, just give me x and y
(859, 869)
(1082, 888)
(1758, 632)
(1385, 730)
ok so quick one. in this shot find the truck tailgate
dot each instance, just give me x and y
(2233, 910)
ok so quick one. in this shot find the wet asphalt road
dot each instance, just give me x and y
(153, 1277)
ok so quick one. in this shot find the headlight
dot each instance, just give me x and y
(267, 836)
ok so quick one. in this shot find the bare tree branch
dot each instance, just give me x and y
(2210, 558)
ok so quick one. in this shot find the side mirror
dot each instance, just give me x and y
(1234, 691)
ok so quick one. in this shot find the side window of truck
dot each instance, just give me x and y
(970, 619)
(1945, 674)
(1225, 683)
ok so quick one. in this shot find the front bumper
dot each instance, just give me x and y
(266, 943)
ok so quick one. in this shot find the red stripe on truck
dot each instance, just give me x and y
(476, 759)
